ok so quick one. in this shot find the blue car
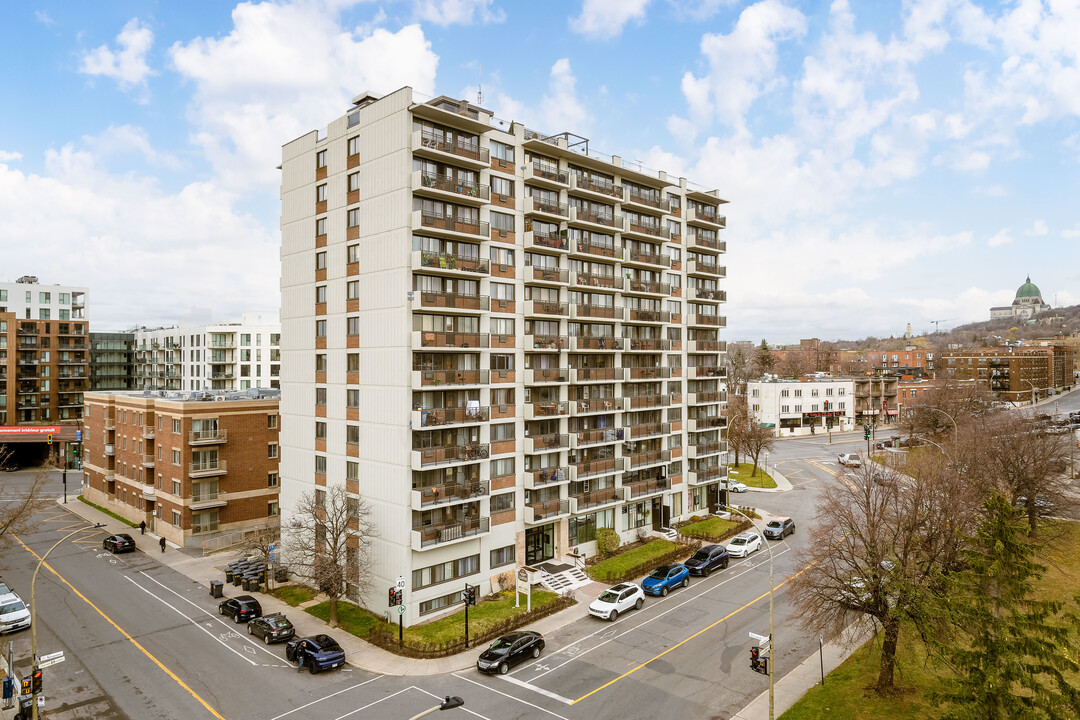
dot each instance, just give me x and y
(319, 652)
(664, 578)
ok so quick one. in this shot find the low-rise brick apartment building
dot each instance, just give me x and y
(1016, 374)
(198, 467)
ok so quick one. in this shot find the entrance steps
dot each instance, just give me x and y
(561, 577)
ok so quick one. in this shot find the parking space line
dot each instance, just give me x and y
(534, 688)
(335, 694)
(123, 632)
(524, 702)
(371, 704)
(440, 699)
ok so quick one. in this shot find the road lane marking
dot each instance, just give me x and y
(534, 688)
(123, 632)
(335, 694)
(524, 702)
(353, 712)
(440, 699)
(699, 632)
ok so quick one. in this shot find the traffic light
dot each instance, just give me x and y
(866, 428)
(826, 406)
(395, 597)
(755, 658)
(36, 681)
(470, 594)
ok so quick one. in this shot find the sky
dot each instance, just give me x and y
(886, 162)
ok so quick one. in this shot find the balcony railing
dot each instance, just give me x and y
(649, 458)
(450, 493)
(546, 510)
(551, 441)
(581, 342)
(708, 371)
(649, 487)
(453, 377)
(537, 205)
(595, 437)
(647, 344)
(711, 320)
(449, 184)
(651, 200)
(546, 477)
(453, 224)
(599, 281)
(205, 469)
(697, 238)
(546, 342)
(554, 240)
(606, 187)
(647, 401)
(607, 219)
(451, 453)
(591, 248)
(543, 375)
(148, 460)
(596, 374)
(470, 150)
(642, 430)
(544, 274)
(601, 466)
(651, 230)
(698, 293)
(649, 373)
(207, 437)
(454, 339)
(453, 300)
(594, 498)
(549, 409)
(649, 286)
(433, 417)
(542, 307)
(595, 405)
(635, 315)
(428, 536)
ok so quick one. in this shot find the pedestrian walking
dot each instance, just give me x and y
(161, 542)
(142, 528)
(300, 650)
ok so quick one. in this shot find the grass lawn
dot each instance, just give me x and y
(110, 513)
(293, 594)
(713, 529)
(845, 695)
(741, 472)
(618, 565)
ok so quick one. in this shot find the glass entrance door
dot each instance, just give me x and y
(539, 544)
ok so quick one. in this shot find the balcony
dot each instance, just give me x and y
(606, 221)
(596, 374)
(546, 443)
(710, 294)
(535, 240)
(703, 476)
(453, 301)
(645, 459)
(707, 371)
(553, 276)
(547, 375)
(698, 240)
(635, 315)
(695, 266)
(437, 417)
(474, 229)
(596, 405)
(603, 189)
(601, 436)
(582, 342)
(436, 495)
(707, 320)
(537, 206)
(541, 307)
(427, 339)
(641, 344)
(649, 487)
(437, 185)
(587, 247)
(207, 469)
(546, 477)
(457, 151)
(645, 201)
(207, 500)
(602, 466)
(647, 401)
(148, 432)
(537, 410)
(428, 457)
(148, 461)
(546, 511)
(425, 537)
(705, 215)
(651, 231)
(645, 430)
(706, 346)
(596, 498)
(544, 174)
(545, 342)
(706, 398)
(606, 282)
(647, 287)
(650, 372)
(149, 492)
(435, 378)
(705, 449)
(708, 422)
(222, 344)
(110, 423)
(208, 437)
(110, 449)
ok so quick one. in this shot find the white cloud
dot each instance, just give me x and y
(605, 19)
(1003, 237)
(128, 64)
(991, 191)
(9, 156)
(1071, 234)
(458, 12)
(284, 70)
(43, 17)
(126, 140)
(559, 110)
(1038, 228)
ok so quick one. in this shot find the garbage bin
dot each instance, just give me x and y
(228, 575)
(216, 588)
(281, 575)
(253, 586)
(261, 576)
(237, 579)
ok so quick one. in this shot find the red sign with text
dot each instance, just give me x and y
(28, 429)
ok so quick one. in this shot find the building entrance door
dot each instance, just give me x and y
(539, 544)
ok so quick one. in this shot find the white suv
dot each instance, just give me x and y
(849, 460)
(616, 599)
(13, 613)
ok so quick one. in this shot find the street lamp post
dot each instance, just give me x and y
(33, 611)
(1034, 394)
(448, 704)
(772, 589)
(956, 430)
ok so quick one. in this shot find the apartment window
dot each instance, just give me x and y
(352, 434)
(502, 186)
(504, 501)
(502, 222)
(320, 430)
(176, 426)
(65, 314)
(354, 145)
(320, 396)
(352, 290)
(204, 522)
(271, 450)
(176, 518)
(354, 182)
(674, 307)
(502, 396)
(353, 254)
(45, 298)
(320, 193)
(320, 260)
(43, 313)
(275, 338)
(502, 431)
(501, 291)
(353, 326)
(320, 469)
(757, 408)
(754, 392)
(175, 457)
(271, 479)
(828, 391)
(798, 408)
(502, 468)
(502, 326)
(354, 217)
(502, 556)
(320, 362)
(320, 296)
(320, 226)
(675, 201)
(272, 508)
(502, 362)
(502, 256)
(839, 391)
(501, 151)
(840, 406)
(320, 159)
(320, 328)
(352, 362)
(785, 408)
(785, 392)
(352, 398)
(798, 393)
(245, 339)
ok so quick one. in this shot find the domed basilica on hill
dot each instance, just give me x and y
(1027, 304)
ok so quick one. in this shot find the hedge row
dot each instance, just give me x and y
(743, 526)
(677, 554)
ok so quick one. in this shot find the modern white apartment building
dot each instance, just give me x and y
(215, 356)
(803, 407)
(499, 339)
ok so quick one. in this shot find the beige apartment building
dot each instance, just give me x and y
(500, 340)
(200, 468)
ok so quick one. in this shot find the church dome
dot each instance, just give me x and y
(1028, 290)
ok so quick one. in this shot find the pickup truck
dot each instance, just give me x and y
(849, 460)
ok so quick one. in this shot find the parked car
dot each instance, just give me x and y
(271, 628)
(240, 608)
(616, 599)
(736, 486)
(743, 544)
(14, 614)
(849, 459)
(887, 443)
(119, 543)
(664, 578)
(707, 559)
(779, 528)
(10, 467)
(316, 653)
(509, 650)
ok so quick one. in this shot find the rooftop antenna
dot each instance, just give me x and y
(479, 88)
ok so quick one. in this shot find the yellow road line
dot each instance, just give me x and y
(123, 632)
(699, 632)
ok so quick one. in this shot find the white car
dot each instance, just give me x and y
(13, 613)
(849, 460)
(616, 599)
(743, 544)
(736, 486)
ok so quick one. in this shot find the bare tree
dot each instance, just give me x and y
(19, 504)
(934, 412)
(756, 439)
(328, 541)
(256, 543)
(793, 364)
(739, 358)
(737, 424)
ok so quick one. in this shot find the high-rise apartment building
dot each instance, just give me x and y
(499, 340)
(112, 360)
(44, 359)
(214, 356)
(200, 468)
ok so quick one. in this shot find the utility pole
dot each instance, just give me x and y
(772, 591)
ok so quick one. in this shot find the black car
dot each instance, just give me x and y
(240, 608)
(119, 543)
(271, 628)
(509, 650)
(707, 559)
(779, 528)
(318, 652)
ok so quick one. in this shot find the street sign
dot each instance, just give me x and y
(50, 656)
(400, 582)
(54, 661)
(401, 609)
(272, 551)
(759, 638)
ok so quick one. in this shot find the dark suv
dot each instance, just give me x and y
(318, 652)
(271, 628)
(779, 528)
(241, 608)
(707, 559)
